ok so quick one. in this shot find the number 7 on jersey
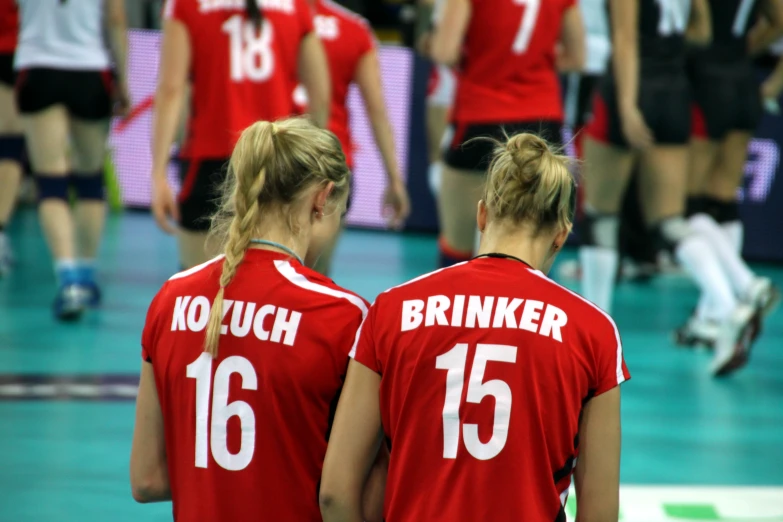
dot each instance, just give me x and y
(526, 25)
(454, 362)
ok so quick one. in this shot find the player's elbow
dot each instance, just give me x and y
(148, 490)
(443, 53)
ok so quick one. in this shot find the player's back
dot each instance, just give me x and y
(240, 73)
(662, 26)
(485, 368)
(508, 68)
(731, 23)
(246, 433)
(346, 37)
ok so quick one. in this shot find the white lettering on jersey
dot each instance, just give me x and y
(208, 6)
(479, 314)
(326, 27)
(192, 314)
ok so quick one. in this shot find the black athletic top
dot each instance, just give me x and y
(731, 22)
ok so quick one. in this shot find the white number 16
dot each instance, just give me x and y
(526, 26)
(455, 361)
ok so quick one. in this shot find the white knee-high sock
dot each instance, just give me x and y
(736, 270)
(735, 233)
(696, 255)
(599, 270)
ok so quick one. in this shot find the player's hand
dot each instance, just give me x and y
(635, 129)
(164, 205)
(770, 93)
(121, 100)
(396, 203)
(424, 43)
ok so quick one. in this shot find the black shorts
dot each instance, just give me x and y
(726, 97)
(579, 90)
(200, 196)
(86, 94)
(663, 100)
(477, 155)
(7, 75)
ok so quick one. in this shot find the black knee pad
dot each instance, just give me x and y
(720, 210)
(597, 229)
(694, 205)
(88, 186)
(52, 187)
(12, 148)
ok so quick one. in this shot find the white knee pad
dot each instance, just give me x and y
(434, 175)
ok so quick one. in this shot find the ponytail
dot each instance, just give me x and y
(254, 13)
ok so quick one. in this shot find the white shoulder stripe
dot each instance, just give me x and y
(197, 268)
(620, 374)
(287, 271)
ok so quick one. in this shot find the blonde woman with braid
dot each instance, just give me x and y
(244, 356)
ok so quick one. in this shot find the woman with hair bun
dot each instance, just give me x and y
(487, 378)
(239, 375)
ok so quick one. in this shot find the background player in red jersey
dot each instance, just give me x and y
(642, 114)
(353, 58)
(727, 108)
(11, 133)
(239, 59)
(240, 433)
(509, 52)
(550, 361)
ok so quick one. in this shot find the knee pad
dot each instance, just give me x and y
(88, 186)
(720, 210)
(52, 187)
(434, 176)
(12, 148)
(670, 232)
(600, 230)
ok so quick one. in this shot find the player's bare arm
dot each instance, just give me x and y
(169, 99)
(450, 32)
(314, 75)
(572, 46)
(625, 62)
(353, 446)
(699, 31)
(768, 28)
(597, 474)
(149, 474)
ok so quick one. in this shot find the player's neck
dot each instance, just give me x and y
(534, 250)
(281, 235)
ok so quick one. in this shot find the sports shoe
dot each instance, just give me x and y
(92, 293)
(763, 295)
(697, 333)
(735, 339)
(69, 302)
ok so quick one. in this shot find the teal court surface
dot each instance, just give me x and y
(694, 448)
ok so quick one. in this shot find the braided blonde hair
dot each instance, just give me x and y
(528, 181)
(273, 165)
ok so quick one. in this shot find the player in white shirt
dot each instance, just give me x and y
(65, 92)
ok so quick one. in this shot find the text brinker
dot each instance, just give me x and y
(191, 314)
(477, 312)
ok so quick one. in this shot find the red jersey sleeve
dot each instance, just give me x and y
(177, 10)
(305, 15)
(610, 369)
(363, 350)
(365, 39)
(152, 326)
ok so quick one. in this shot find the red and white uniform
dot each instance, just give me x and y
(484, 370)
(246, 433)
(508, 69)
(9, 26)
(240, 75)
(346, 37)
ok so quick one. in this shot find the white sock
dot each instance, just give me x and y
(599, 270)
(735, 268)
(699, 260)
(433, 177)
(735, 232)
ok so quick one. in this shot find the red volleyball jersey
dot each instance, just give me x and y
(246, 432)
(485, 367)
(240, 74)
(346, 37)
(508, 70)
(9, 26)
